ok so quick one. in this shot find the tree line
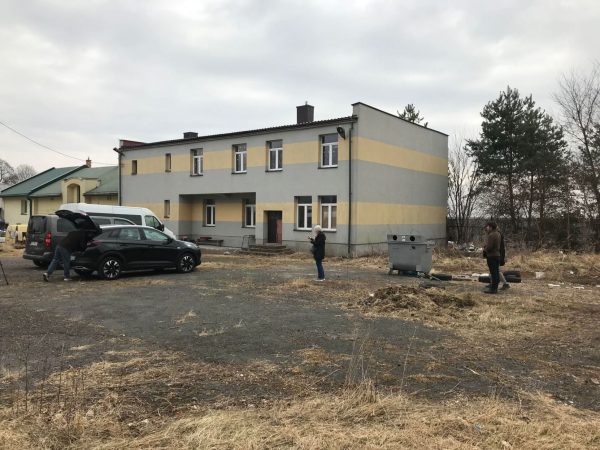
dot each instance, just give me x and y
(536, 175)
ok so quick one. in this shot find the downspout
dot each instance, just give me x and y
(350, 189)
(120, 183)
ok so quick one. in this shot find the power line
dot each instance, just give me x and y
(51, 149)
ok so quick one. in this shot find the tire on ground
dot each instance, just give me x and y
(511, 273)
(441, 276)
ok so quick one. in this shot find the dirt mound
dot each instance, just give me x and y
(394, 298)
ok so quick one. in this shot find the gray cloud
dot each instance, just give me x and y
(78, 76)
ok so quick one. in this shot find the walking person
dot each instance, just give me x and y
(318, 250)
(491, 252)
(73, 241)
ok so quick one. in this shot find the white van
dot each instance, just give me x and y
(133, 214)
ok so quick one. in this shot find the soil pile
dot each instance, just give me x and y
(395, 298)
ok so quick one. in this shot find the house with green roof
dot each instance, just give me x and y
(46, 191)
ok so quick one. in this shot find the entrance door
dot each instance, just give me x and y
(274, 227)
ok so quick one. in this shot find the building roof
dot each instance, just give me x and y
(29, 186)
(108, 177)
(210, 137)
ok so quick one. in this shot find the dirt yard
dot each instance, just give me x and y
(250, 352)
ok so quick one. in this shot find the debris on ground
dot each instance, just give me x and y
(394, 298)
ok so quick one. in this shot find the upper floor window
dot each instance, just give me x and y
(197, 161)
(249, 213)
(275, 154)
(210, 210)
(304, 213)
(167, 162)
(329, 150)
(328, 212)
(239, 158)
(167, 208)
(134, 167)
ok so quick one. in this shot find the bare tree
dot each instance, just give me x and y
(579, 100)
(23, 172)
(465, 186)
(7, 173)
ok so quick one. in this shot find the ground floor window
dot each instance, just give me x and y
(304, 213)
(249, 214)
(210, 210)
(329, 212)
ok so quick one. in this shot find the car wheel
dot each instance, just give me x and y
(40, 263)
(512, 273)
(186, 263)
(110, 268)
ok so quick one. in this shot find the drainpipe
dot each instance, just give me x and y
(350, 189)
(120, 183)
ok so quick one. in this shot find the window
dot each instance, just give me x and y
(101, 220)
(64, 225)
(239, 158)
(275, 154)
(329, 150)
(303, 213)
(155, 235)
(209, 218)
(329, 212)
(197, 166)
(152, 221)
(134, 167)
(129, 234)
(249, 214)
(167, 162)
(167, 208)
(23, 206)
(121, 222)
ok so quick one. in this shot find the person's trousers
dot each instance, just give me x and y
(320, 271)
(61, 255)
(494, 266)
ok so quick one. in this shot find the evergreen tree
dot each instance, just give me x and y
(411, 114)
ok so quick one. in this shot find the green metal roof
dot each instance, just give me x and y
(108, 177)
(35, 183)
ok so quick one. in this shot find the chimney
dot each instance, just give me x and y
(88, 162)
(305, 113)
(190, 135)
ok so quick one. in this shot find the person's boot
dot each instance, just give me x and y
(490, 290)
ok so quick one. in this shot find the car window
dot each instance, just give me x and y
(151, 221)
(154, 235)
(129, 234)
(64, 225)
(101, 221)
(123, 222)
(36, 224)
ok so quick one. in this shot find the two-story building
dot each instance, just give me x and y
(360, 177)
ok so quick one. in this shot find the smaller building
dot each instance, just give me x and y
(45, 192)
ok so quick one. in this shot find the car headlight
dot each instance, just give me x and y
(190, 245)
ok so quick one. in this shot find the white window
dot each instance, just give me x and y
(197, 155)
(250, 214)
(329, 212)
(239, 158)
(167, 208)
(275, 154)
(304, 213)
(209, 219)
(329, 150)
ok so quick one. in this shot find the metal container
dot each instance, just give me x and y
(409, 253)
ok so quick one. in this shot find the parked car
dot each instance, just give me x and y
(46, 231)
(120, 248)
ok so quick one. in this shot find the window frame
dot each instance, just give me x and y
(278, 151)
(249, 205)
(306, 206)
(209, 204)
(167, 209)
(197, 155)
(134, 167)
(325, 202)
(240, 150)
(24, 207)
(329, 146)
(168, 162)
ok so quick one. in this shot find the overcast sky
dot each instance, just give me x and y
(77, 76)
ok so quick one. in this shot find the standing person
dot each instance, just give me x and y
(318, 251)
(491, 252)
(73, 241)
(505, 284)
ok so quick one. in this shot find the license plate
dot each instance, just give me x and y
(33, 244)
(73, 258)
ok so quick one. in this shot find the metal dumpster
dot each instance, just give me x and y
(408, 252)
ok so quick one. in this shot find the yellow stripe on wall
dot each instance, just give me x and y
(391, 155)
(391, 214)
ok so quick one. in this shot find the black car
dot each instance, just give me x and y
(44, 233)
(120, 248)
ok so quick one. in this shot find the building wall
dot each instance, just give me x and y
(102, 199)
(12, 210)
(46, 205)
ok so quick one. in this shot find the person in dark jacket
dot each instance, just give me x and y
(318, 250)
(491, 252)
(72, 242)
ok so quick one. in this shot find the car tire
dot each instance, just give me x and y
(512, 273)
(441, 276)
(40, 263)
(512, 279)
(484, 279)
(186, 263)
(110, 268)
